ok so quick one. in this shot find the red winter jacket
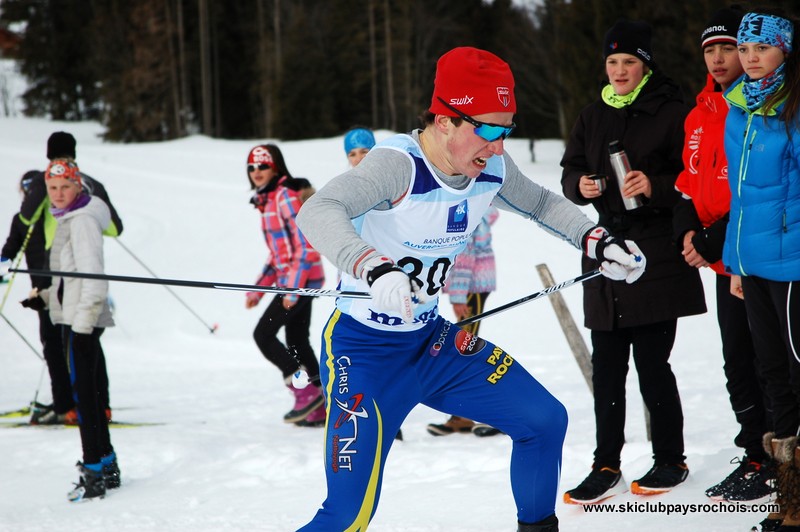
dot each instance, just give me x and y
(705, 175)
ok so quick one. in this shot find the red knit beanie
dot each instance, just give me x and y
(473, 81)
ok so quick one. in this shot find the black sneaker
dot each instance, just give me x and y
(717, 491)
(601, 484)
(660, 479)
(757, 482)
(111, 475)
(91, 485)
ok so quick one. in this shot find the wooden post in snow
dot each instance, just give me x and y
(573, 335)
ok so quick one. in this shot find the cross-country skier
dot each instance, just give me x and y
(394, 225)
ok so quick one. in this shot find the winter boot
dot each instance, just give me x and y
(451, 426)
(50, 417)
(786, 453)
(91, 484)
(774, 519)
(40, 412)
(602, 483)
(315, 419)
(548, 524)
(306, 400)
(660, 479)
(111, 473)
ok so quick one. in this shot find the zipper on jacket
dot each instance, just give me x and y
(743, 163)
(785, 229)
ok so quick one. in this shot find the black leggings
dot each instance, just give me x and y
(652, 345)
(57, 366)
(84, 354)
(296, 322)
(773, 309)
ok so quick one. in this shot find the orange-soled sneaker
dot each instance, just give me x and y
(660, 479)
(601, 484)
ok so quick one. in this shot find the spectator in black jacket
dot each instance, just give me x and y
(643, 109)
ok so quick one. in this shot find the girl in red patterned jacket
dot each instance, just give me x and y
(292, 263)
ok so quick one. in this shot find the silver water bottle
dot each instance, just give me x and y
(621, 166)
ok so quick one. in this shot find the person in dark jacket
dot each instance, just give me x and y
(35, 223)
(642, 109)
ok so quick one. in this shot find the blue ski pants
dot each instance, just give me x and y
(372, 379)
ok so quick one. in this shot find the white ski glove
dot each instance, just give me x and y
(618, 260)
(391, 288)
(5, 265)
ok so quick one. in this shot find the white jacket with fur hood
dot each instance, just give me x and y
(78, 246)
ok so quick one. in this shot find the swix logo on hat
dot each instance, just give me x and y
(457, 218)
(504, 95)
(260, 155)
(464, 100)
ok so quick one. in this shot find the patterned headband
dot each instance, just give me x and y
(768, 29)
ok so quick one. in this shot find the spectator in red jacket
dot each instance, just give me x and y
(700, 220)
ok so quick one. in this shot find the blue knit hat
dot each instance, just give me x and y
(358, 138)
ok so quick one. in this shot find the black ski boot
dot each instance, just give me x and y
(91, 485)
(111, 475)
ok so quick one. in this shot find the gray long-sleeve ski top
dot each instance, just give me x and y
(383, 178)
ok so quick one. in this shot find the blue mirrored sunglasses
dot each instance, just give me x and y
(486, 131)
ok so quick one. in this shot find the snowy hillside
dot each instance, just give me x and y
(221, 457)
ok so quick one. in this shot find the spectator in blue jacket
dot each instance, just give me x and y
(762, 243)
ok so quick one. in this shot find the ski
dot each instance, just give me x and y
(24, 411)
(111, 424)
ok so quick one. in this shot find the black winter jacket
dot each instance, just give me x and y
(651, 131)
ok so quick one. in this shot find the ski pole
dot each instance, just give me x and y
(313, 292)
(212, 329)
(35, 352)
(536, 295)
(20, 253)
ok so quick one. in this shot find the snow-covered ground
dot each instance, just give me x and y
(222, 459)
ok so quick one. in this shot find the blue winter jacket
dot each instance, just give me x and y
(763, 237)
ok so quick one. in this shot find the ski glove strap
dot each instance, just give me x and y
(620, 260)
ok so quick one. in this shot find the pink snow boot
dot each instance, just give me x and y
(315, 419)
(306, 400)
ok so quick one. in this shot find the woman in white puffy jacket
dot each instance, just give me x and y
(80, 307)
